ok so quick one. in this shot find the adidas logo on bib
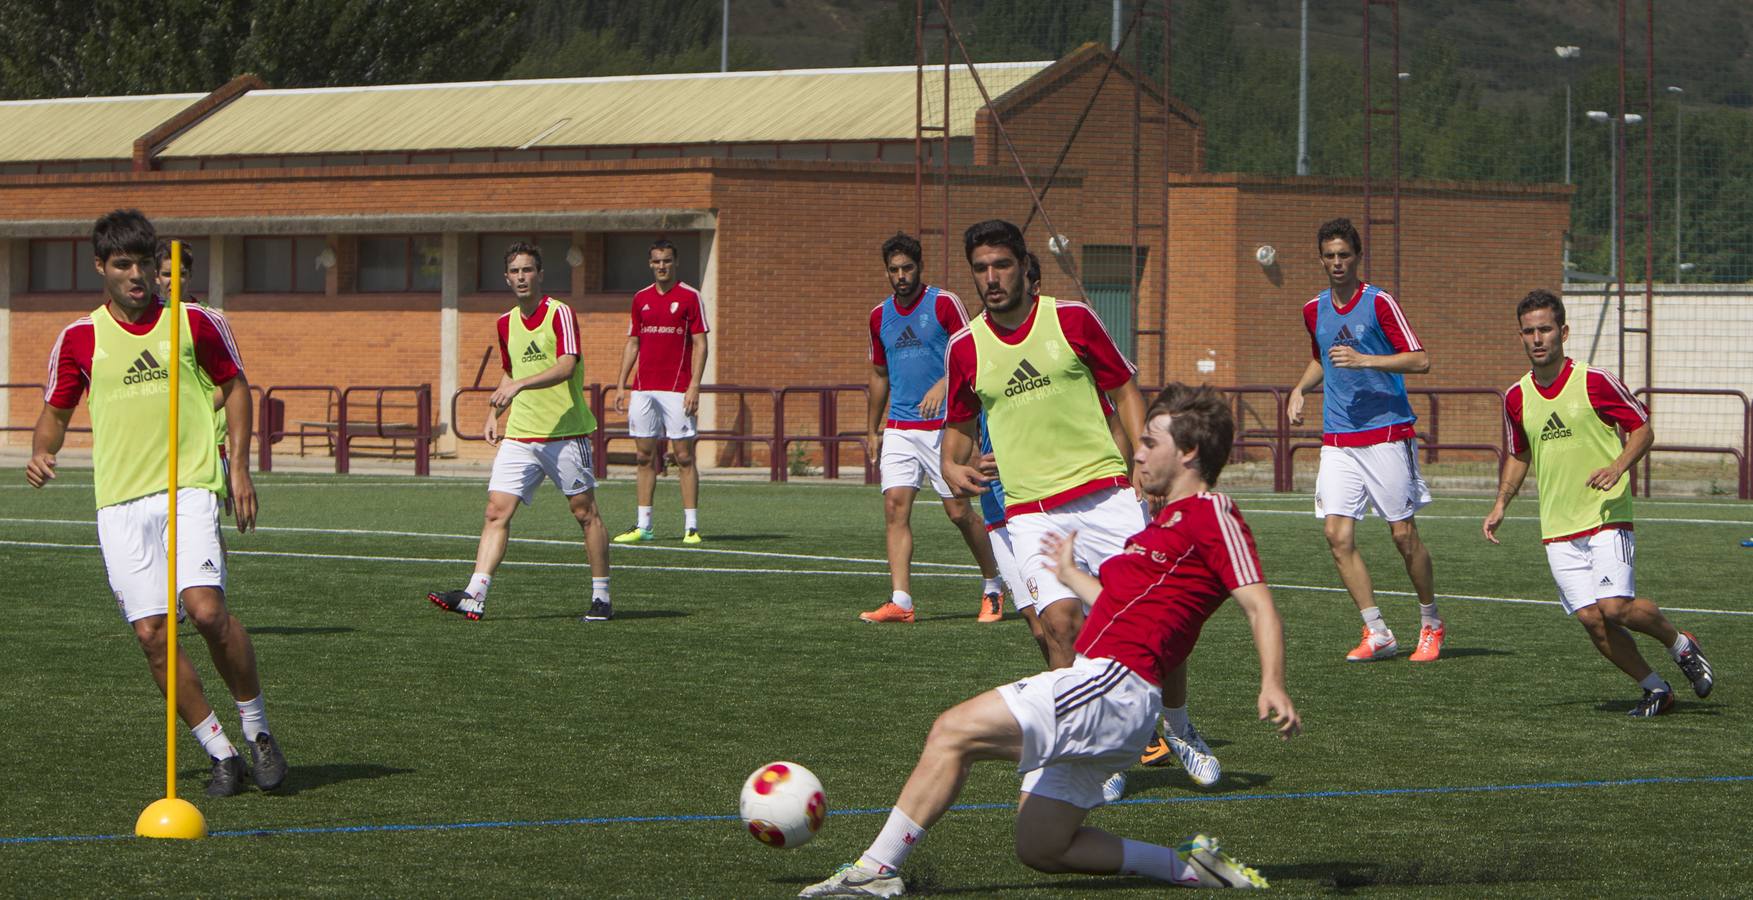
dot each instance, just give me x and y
(1025, 379)
(908, 340)
(145, 368)
(1554, 428)
(532, 353)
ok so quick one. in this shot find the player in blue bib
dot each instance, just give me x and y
(909, 332)
(1363, 347)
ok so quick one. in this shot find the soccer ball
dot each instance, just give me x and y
(783, 805)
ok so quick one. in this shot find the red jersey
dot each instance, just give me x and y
(1173, 575)
(70, 360)
(1393, 322)
(665, 323)
(948, 312)
(1607, 394)
(565, 326)
(1083, 330)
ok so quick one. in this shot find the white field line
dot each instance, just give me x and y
(1310, 513)
(423, 560)
(369, 532)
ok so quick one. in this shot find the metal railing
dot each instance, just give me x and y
(271, 419)
(828, 432)
(38, 389)
(1741, 454)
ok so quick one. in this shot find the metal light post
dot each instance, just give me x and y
(1302, 99)
(1596, 115)
(1567, 52)
(724, 39)
(1679, 107)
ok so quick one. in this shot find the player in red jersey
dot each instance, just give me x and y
(666, 338)
(1070, 728)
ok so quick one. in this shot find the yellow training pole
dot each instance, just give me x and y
(172, 817)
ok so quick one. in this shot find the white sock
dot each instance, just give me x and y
(1681, 645)
(1176, 719)
(478, 585)
(1427, 617)
(599, 589)
(899, 837)
(991, 586)
(690, 520)
(644, 518)
(213, 739)
(902, 599)
(254, 714)
(1154, 861)
(1373, 618)
(1654, 682)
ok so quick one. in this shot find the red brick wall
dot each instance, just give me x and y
(798, 270)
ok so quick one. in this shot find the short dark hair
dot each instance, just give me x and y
(995, 233)
(905, 243)
(163, 255)
(525, 248)
(1541, 298)
(124, 231)
(1339, 228)
(1200, 420)
(1032, 269)
(661, 243)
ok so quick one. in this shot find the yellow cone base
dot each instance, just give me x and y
(173, 818)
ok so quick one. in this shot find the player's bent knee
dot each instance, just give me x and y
(1041, 853)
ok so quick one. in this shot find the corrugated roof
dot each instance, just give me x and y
(82, 127)
(793, 105)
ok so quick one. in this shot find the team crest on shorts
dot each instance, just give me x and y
(1034, 589)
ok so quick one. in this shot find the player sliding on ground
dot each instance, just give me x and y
(1070, 728)
(1560, 418)
(121, 353)
(1363, 348)
(547, 436)
(1038, 367)
(908, 333)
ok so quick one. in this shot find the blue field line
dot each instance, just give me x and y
(874, 811)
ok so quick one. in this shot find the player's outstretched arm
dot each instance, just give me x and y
(1411, 362)
(1509, 483)
(1064, 567)
(45, 442)
(1637, 444)
(1274, 705)
(239, 409)
(629, 355)
(876, 410)
(1313, 375)
(957, 458)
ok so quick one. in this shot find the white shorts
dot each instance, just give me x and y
(520, 466)
(650, 413)
(1103, 521)
(1007, 567)
(1593, 567)
(912, 455)
(1080, 725)
(1385, 476)
(133, 536)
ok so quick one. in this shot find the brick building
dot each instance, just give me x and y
(352, 235)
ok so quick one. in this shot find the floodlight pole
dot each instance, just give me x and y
(1302, 98)
(724, 39)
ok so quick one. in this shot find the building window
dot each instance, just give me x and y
(283, 265)
(627, 255)
(1108, 274)
(400, 263)
(556, 271)
(63, 265)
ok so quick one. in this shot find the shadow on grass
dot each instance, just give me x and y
(305, 778)
(1172, 778)
(620, 614)
(296, 630)
(734, 538)
(1348, 876)
(1680, 708)
(1458, 652)
(924, 879)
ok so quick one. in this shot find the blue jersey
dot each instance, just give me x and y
(1361, 400)
(911, 346)
(991, 502)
